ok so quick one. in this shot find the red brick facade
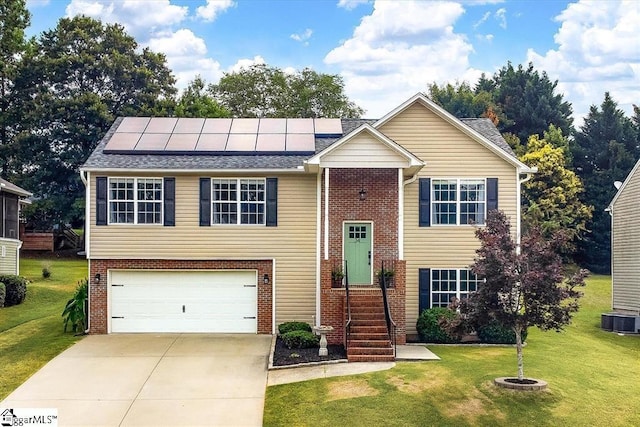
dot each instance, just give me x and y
(98, 291)
(380, 208)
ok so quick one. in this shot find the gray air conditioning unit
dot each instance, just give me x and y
(617, 322)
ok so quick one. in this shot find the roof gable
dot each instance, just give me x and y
(469, 128)
(629, 177)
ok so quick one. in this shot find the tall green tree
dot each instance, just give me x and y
(604, 151)
(14, 18)
(197, 101)
(530, 102)
(551, 198)
(73, 82)
(264, 91)
(462, 101)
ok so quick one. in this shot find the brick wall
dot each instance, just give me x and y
(381, 208)
(98, 292)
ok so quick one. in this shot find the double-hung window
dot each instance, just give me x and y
(135, 200)
(238, 201)
(447, 284)
(458, 201)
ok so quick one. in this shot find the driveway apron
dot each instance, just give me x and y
(154, 380)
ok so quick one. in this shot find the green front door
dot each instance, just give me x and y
(357, 253)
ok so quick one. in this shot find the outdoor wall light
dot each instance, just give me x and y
(265, 279)
(97, 278)
(363, 194)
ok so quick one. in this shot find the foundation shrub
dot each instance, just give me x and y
(15, 288)
(430, 325)
(285, 327)
(300, 339)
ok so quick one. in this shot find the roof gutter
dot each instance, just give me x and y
(298, 170)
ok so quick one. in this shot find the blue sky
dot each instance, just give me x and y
(386, 51)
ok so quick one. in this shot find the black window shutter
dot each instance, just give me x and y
(271, 219)
(205, 202)
(101, 200)
(492, 194)
(424, 289)
(424, 197)
(169, 202)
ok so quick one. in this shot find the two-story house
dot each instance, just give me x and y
(238, 225)
(11, 196)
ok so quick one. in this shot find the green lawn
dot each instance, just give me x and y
(31, 333)
(593, 376)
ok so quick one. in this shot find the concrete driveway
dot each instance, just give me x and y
(147, 379)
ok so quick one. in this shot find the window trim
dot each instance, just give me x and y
(458, 292)
(238, 202)
(458, 202)
(136, 201)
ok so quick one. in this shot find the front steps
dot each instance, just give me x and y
(368, 340)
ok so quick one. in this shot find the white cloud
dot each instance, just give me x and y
(246, 63)
(351, 4)
(482, 20)
(598, 51)
(135, 15)
(303, 37)
(399, 50)
(37, 3)
(501, 16)
(213, 8)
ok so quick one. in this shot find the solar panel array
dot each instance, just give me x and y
(169, 135)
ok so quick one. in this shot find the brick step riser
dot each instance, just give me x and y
(372, 323)
(370, 358)
(367, 311)
(367, 316)
(368, 329)
(369, 351)
(370, 343)
(368, 337)
(366, 303)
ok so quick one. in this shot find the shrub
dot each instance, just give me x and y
(3, 294)
(300, 339)
(430, 328)
(495, 333)
(46, 271)
(285, 327)
(74, 313)
(16, 289)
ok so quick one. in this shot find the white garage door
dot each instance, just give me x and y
(183, 301)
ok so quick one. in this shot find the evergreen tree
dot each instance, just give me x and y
(604, 151)
(197, 101)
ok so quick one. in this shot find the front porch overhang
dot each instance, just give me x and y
(365, 148)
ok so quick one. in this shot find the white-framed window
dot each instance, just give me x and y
(238, 201)
(135, 200)
(457, 201)
(450, 283)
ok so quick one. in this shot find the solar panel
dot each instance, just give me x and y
(212, 142)
(245, 126)
(182, 142)
(188, 125)
(217, 126)
(161, 125)
(272, 126)
(241, 142)
(300, 142)
(331, 127)
(270, 142)
(123, 141)
(152, 142)
(300, 126)
(133, 124)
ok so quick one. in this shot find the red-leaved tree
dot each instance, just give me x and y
(524, 286)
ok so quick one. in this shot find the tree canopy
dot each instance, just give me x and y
(196, 101)
(72, 82)
(264, 91)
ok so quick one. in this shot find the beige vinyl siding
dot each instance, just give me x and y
(9, 262)
(366, 151)
(292, 244)
(626, 247)
(448, 153)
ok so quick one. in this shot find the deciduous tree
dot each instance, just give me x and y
(523, 286)
(197, 101)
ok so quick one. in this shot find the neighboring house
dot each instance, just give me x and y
(236, 225)
(625, 254)
(11, 197)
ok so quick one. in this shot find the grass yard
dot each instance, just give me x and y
(593, 376)
(31, 333)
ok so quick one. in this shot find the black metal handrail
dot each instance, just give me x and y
(391, 325)
(347, 327)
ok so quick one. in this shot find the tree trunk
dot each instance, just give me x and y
(518, 332)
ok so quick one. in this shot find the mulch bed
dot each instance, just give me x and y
(283, 356)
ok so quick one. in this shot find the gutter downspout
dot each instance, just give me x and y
(84, 177)
(613, 254)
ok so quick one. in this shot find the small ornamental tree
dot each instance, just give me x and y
(523, 286)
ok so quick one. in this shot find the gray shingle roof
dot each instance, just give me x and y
(108, 161)
(12, 188)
